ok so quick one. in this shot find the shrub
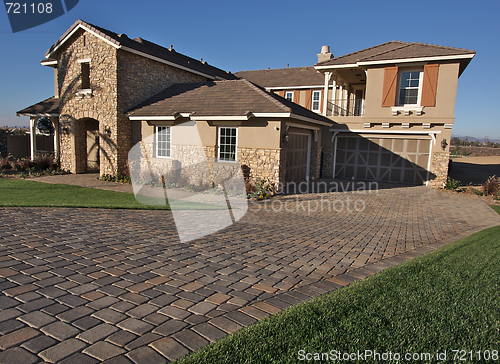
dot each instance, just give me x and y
(22, 164)
(263, 190)
(44, 161)
(452, 184)
(5, 163)
(491, 186)
(472, 190)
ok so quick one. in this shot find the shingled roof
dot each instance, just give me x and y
(145, 48)
(236, 98)
(396, 50)
(284, 77)
(48, 107)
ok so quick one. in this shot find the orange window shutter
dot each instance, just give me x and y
(281, 93)
(296, 96)
(429, 86)
(390, 86)
(321, 101)
(308, 99)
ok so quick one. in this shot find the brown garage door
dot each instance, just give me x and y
(397, 160)
(297, 160)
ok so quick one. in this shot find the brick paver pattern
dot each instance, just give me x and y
(93, 285)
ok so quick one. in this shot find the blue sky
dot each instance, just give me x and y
(244, 35)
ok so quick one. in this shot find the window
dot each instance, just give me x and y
(409, 88)
(85, 68)
(289, 96)
(316, 98)
(163, 141)
(227, 144)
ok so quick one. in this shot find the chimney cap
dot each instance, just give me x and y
(325, 49)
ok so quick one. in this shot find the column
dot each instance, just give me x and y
(33, 120)
(55, 122)
(328, 75)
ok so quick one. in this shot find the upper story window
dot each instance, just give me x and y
(227, 144)
(289, 96)
(163, 137)
(410, 83)
(85, 73)
(316, 101)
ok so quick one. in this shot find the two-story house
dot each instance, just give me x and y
(394, 106)
(112, 92)
(384, 113)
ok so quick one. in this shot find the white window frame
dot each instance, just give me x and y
(420, 80)
(157, 131)
(289, 93)
(317, 109)
(219, 145)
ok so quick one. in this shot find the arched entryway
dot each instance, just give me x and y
(92, 141)
(87, 146)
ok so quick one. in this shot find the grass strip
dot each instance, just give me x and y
(448, 299)
(23, 193)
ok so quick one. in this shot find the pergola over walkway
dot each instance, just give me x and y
(47, 108)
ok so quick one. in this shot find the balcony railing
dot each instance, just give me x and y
(346, 107)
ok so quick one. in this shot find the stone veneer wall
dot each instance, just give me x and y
(118, 80)
(191, 164)
(315, 166)
(264, 164)
(137, 79)
(100, 105)
(327, 163)
(439, 167)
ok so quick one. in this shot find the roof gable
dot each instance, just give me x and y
(235, 98)
(397, 51)
(143, 48)
(284, 77)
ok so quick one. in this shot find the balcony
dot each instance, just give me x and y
(346, 107)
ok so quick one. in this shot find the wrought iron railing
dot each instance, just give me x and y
(346, 107)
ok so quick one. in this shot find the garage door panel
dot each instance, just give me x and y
(389, 159)
(297, 157)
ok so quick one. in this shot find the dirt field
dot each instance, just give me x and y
(475, 170)
(478, 151)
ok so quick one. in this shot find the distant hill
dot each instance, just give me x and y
(473, 139)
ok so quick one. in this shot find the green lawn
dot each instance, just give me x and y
(18, 192)
(448, 300)
(496, 208)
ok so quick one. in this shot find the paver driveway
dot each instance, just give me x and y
(89, 285)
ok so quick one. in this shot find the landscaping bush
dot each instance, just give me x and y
(492, 186)
(452, 184)
(263, 190)
(5, 163)
(43, 162)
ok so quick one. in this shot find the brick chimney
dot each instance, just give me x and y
(325, 54)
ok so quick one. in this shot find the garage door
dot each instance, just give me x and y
(298, 155)
(398, 160)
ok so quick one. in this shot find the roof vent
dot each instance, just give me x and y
(123, 36)
(139, 39)
(325, 54)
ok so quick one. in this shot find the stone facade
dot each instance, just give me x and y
(439, 168)
(118, 80)
(327, 162)
(263, 163)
